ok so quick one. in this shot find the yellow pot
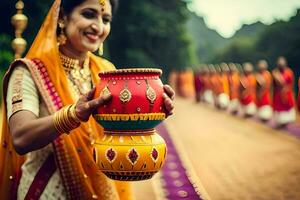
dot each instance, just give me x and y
(130, 156)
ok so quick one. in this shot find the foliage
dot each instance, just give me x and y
(238, 51)
(151, 34)
(145, 33)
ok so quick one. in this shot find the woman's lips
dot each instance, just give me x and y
(92, 37)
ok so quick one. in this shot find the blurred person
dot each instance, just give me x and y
(283, 95)
(264, 86)
(172, 79)
(234, 83)
(188, 86)
(216, 84)
(48, 94)
(248, 91)
(208, 93)
(198, 82)
(224, 98)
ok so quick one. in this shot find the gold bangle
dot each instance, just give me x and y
(73, 113)
(65, 119)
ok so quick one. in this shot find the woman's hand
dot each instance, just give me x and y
(86, 105)
(169, 97)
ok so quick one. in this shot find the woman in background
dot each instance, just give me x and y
(283, 95)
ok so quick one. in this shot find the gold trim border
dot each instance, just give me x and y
(130, 117)
(132, 70)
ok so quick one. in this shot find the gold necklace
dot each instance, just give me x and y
(79, 77)
(80, 81)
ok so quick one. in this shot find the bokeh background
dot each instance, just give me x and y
(179, 34)
(234, 158)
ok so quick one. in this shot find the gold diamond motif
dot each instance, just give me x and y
(151, 95)
(125, 95)
(105, 92)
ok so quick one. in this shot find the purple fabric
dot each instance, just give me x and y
(174, 176)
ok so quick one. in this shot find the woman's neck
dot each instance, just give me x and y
(71, 53)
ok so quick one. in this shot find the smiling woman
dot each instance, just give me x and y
(49, 101)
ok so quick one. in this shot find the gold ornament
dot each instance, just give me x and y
(150, 93)
(62, 39)
(102, 2)
(125, 94)
(80, 77)
(66, 119)
(105, 92)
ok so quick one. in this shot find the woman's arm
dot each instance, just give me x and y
(31, 133)
(278, 77)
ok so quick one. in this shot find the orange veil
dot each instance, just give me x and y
(89, 181)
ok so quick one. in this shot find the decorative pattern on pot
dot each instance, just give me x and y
(130, 149)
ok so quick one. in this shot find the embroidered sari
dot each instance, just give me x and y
(78, 171)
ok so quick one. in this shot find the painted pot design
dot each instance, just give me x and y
(130, 149)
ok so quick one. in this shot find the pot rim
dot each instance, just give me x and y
(131, 70)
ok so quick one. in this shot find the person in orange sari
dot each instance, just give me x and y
(264, 86)
(223, 87)
(172, 79)
(47, 133)
(234, 83)
(214, 85)
(248, 91)
(283, 95)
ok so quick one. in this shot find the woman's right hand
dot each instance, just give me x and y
(86, 105)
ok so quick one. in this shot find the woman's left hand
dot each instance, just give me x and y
(169, 96)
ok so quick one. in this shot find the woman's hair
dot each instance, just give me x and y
(68, 5)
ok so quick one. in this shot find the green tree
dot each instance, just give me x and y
(151, 34)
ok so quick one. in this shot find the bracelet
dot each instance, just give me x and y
(66, 119)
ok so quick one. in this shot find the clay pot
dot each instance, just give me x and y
(130, 149)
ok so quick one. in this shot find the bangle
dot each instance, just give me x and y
(66, 119)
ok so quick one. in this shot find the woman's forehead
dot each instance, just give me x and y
(95, 4)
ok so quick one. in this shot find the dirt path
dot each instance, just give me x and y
(237, 158)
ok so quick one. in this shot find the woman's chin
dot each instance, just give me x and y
(92, 47)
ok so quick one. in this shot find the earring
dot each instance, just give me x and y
(100, 50)
(62, 37)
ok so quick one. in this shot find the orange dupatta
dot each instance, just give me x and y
(78, 168)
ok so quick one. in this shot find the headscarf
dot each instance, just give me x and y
(82, 172)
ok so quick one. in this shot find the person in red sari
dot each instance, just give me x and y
(198, 82)
(234, 82)
(283, 96)
(248, 91)
(264, 84)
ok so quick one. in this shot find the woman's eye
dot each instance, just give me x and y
(88, 14)
(106, 20)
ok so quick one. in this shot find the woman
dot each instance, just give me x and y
(48, 94)
(283, 95)
(263, 93)
(248, 91)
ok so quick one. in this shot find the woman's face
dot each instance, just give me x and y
(88, 25)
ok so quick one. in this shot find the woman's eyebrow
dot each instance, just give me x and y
(90, 9)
